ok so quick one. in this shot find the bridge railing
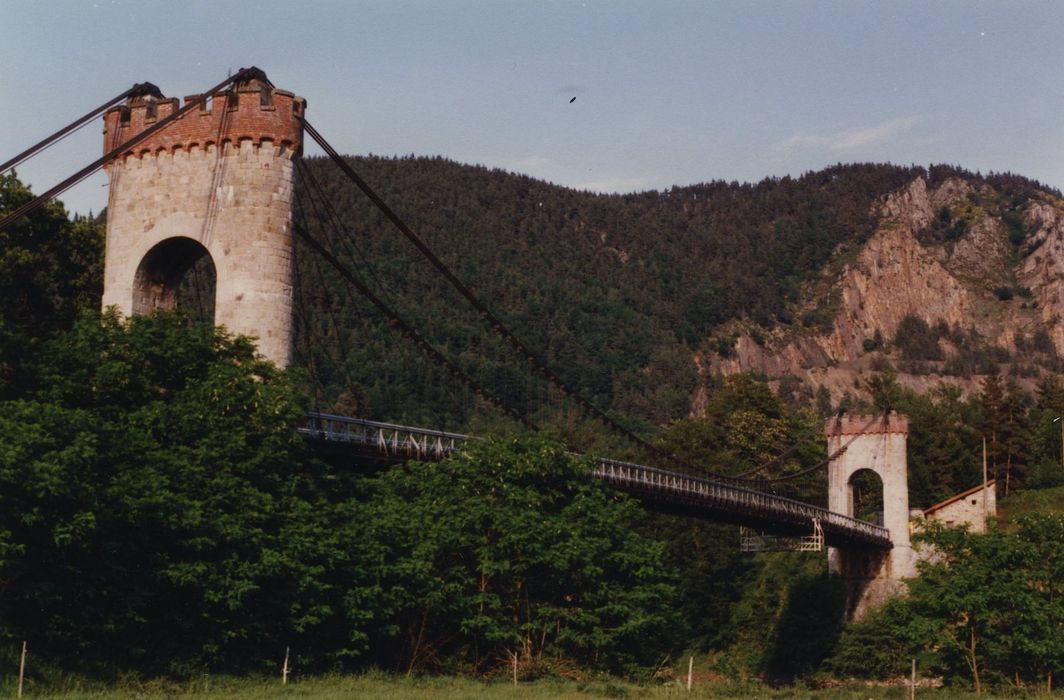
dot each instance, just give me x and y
(387, 438)
(390, 439)
(734, 498)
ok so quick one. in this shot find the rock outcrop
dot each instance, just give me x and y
(943, 255)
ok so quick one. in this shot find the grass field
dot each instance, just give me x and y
(400, 688)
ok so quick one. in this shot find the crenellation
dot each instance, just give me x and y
(275, 118)
(217, 180)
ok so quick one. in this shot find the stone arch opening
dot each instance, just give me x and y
(865, 495)
(177, 273)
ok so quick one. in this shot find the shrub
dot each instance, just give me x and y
(916, 340)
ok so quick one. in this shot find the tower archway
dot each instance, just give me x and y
(863, 446)
(177, 272)
(866, 496)
(211, 192)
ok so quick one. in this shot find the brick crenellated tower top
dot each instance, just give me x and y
(251, 110)
(848, 424)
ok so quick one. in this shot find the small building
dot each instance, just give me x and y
(966, 508)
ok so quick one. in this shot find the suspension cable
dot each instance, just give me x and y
(71, 127)
(407, 330)
(114, 153)
(341, 366)
(768, 463)
(349, 242)
(331, 218)
(491, 319)
(831, 457)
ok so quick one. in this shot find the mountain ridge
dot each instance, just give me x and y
(637, 299)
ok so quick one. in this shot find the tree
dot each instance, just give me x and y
(50, 268)
(508, 548)
(885, 390)
(916, 339)
(943, 446)
(1016, 435)
(823, 402)
(878, 646)
(991, 603)
(158, 512)
(991, 399)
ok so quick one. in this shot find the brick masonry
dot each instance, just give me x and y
(217, 181)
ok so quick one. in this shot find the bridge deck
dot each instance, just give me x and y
(660, 489)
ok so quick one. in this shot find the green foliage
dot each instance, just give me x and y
(749, 611)
(158, 512)
(945, 227)
(508, 547)
(50, 267)
(786, 621)
(916, 340)
(748, 428)
(156, 508)
(824, 407)
(944, 443)
(974, 354)
(614, 291)
(879, 646)
(1034, 501)
(986, 609)
(992, 605)
(885, 391)
(1014, 222)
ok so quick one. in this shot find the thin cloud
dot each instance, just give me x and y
(851, 139)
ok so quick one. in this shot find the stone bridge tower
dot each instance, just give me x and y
(876, 444)
(216, 183)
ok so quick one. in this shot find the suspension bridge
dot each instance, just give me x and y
(215, 177)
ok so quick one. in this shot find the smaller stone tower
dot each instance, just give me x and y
(877, 444)
(216, 182)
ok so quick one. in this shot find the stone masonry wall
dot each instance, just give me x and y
(878, 444)
(967, 509)
(231, 193)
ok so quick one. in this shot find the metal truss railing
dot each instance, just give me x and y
(738, 501)
(392, 440)
(386, 438)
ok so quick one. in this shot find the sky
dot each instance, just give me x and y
(666, 93)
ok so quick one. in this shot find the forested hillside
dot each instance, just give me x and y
(616, 292)
(637, 300)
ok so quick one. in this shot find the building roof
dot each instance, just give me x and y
(959, 496)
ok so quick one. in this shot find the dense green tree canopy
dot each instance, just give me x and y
(509, 547)
(987, 609)
(50, 267)
(157, 511)
(155, 504)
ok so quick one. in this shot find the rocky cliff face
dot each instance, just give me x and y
(982, 271)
